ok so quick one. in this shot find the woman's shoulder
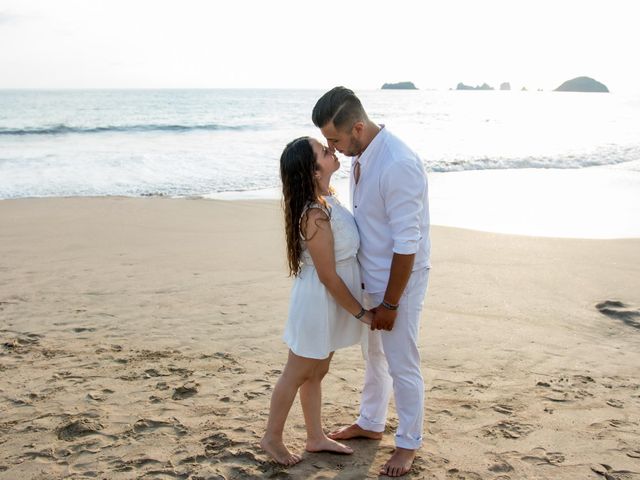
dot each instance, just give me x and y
(316, 209)
(312, 213)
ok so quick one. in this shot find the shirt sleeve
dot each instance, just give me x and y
(403, 186)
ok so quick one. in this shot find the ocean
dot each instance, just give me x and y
(226, 144)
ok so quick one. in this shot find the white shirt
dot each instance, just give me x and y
(391, 208)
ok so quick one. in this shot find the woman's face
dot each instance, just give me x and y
(325, 158)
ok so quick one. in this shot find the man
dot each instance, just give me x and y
(390, 206)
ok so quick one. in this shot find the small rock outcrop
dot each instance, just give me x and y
(484, 86)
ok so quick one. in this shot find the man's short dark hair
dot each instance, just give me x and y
(339, 105)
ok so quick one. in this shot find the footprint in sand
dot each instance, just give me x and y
(252, 395)
(162, 386)
(232, 367)
(508, 429)
(138, 463)
(185, 391)
(567, 389)
(603, 429)
(622, 424)
(620, 311)
(152, 372)
(145, 425)
(633, 453)
(22, 343)
(455, 474)
(615, 403)
(499, 465)
(239, 459)
(119, 465)
(156, 354)
(183, 372)
(96, 396)
(610, 474)
(539, 456)
(78, 428)
(83, 329)
(503, 409)
(213, 444)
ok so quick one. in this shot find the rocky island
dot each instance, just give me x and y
(399, 86)
(582, 84)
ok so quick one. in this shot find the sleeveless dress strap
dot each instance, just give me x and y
(309, 206)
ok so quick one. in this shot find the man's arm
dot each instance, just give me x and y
(401, 267)
(403, 189)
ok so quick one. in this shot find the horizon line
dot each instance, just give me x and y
(97, 88)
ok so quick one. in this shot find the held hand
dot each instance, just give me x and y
(383, 319)
(372, 312)
(367, 318)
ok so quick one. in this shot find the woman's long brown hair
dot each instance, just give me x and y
(297, 168)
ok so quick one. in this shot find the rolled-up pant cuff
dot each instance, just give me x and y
(408, 443)
(367, 424)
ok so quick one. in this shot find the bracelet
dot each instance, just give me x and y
(360, 314)
(389, 306)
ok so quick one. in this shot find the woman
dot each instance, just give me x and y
(322, 242)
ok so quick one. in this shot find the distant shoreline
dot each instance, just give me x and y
(525, 214)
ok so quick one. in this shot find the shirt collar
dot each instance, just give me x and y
(372, 147)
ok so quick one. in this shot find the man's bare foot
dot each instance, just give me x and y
(354, 431)
(279, 452)
(327, 445)
(399, 464)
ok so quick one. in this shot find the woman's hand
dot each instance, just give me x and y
(367, 317)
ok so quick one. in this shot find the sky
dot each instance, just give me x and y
(302, 44)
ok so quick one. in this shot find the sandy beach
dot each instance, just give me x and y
(140, 338)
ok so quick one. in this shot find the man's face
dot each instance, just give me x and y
(344, 141)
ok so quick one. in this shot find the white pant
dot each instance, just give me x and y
(393, 361)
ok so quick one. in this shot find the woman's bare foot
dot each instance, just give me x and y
(327, 445)
(399, 464)
(279, 452)
(354, 431)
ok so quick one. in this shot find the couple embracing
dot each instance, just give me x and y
(360, 277)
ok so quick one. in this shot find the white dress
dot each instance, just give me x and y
(317, 325)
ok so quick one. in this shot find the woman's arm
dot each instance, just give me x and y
(317, 230)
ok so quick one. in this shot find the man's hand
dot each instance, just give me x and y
(383, 319)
